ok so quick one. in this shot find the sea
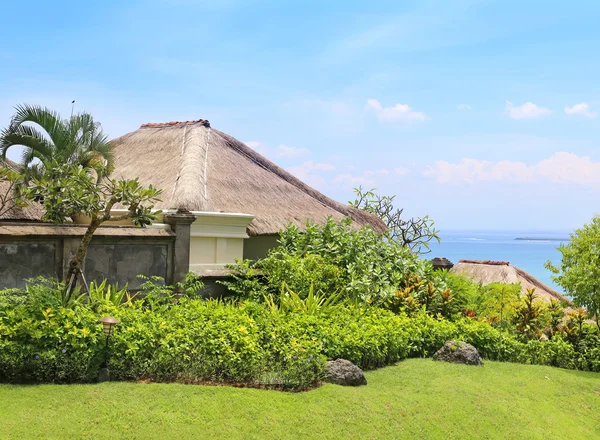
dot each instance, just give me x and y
(526, 250)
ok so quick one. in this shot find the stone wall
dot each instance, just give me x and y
(121, 263)
(23, 260)
(116, 253)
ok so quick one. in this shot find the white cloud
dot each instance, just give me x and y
(466, 107)
(370, 177)
(561, 167)
(352, 180)
(581, 109)
(397, 113)
(529, 110)
(307, 172)
(287, 151)
(283, 151)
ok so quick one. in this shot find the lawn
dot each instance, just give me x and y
(418, 398)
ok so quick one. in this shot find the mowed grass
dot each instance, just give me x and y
(418, 398)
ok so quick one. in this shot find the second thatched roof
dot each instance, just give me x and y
(202, 169)
(8, 209)
(486, 272)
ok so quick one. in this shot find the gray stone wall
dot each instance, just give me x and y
(118, 259)
(121, 263)
(23, 260)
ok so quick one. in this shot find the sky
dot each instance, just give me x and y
(481, 114)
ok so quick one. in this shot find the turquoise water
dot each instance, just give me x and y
(529, 255)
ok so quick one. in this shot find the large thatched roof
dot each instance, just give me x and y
(202, 169)
(486, 272)
(8, 210)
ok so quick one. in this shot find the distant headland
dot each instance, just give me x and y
(542, 239)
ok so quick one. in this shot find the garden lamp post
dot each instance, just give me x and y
(108, 323)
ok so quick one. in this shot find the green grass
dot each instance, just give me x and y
(418, 398)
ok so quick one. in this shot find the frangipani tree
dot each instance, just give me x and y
(65, 190)
(414, 233)
(47, 137)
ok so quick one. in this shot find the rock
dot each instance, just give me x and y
(459, 353)
(442, 263)
(343, 372)
(103, 375)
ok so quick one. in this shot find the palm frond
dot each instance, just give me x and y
(28, 156)
(49, 120)
(41, 146)
(48, 137)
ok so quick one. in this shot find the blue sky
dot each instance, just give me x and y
(482, 114)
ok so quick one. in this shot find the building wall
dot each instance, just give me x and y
(201, 242)
(214, 252)
(118, 259)
(258, 246)
(217, 239)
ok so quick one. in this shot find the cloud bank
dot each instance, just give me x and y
(561, 167)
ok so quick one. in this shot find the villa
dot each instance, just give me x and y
(220, 201)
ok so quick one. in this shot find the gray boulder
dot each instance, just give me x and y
(343, 372)
(459, 353)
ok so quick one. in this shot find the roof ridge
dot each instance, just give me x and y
(541, 284)
(487, 262)
(203, 122)
(190, 183)
(260, 160)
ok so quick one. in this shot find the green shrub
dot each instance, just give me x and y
(299, 273)
(337, 257)
(466, 291)
(173, 337)
(49, 345)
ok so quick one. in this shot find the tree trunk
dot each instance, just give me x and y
(77, 260)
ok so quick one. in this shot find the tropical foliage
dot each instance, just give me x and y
(67, 190)
(49, 138)
(355, 263)
(260, 344)
(579, 270)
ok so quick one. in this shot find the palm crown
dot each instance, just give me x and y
(48, 137)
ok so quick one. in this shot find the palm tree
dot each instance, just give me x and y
(48, 137)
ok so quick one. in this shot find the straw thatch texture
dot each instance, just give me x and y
(486, 272)
(201, 169)
(10, 212)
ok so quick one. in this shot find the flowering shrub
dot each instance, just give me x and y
(193, 340)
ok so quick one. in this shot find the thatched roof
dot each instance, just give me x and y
(202, 169)
(486, 272)
(8, 210)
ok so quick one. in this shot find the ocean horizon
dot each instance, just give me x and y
(525, 249)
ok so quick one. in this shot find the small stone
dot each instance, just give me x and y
(343, 372)
(458, 353)
(103, 375)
